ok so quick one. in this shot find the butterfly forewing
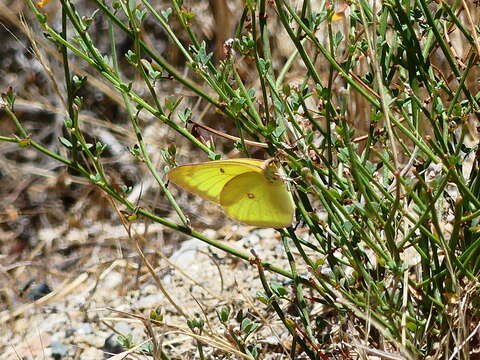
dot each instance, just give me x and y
(208, 179)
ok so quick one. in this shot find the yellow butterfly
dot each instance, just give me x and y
(249, 190)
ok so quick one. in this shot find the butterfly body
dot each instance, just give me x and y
(249, 190)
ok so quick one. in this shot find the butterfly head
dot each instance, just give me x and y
(270, 170)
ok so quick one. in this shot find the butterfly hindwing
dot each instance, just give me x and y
(253, 199)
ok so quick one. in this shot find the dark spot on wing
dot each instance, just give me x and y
(250, 196)
(222, 171)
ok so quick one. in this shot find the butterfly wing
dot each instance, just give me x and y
(253, 199)
(208, 179)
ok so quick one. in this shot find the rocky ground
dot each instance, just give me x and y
(98, 292)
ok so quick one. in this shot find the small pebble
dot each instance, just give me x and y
(111, 346)
(39, 291)
(58, 350)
